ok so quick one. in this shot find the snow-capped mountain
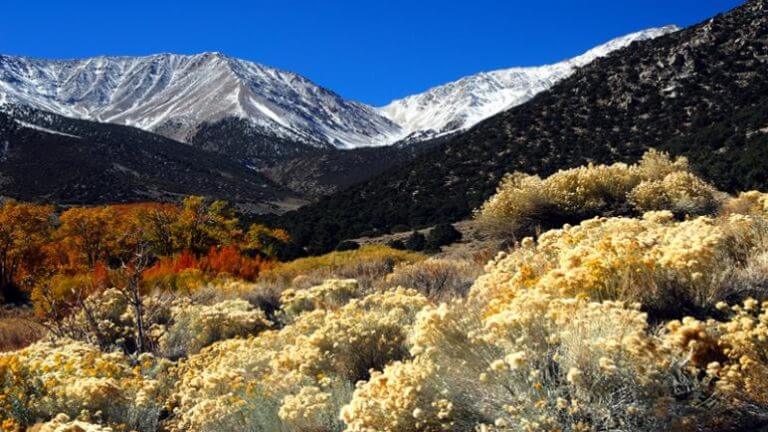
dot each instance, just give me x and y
(245, 109)
(175, 94)
(463, 103)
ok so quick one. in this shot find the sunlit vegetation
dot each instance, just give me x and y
(657, 182)
(652, 316)
(367, 263)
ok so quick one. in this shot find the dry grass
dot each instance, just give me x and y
(18, 329)
(367, 264)
(438, 279)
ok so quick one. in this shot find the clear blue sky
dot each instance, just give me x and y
(371, 51)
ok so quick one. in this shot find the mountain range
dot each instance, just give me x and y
(258, 113)
(173, 95)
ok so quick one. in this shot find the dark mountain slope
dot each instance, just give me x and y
(239, 139)
(47, 157)
(311, 171)
(323, 172)
(700, 92)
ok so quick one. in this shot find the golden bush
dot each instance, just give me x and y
(438, 279)
(541, 363)
(656, 182)
(241, 384)
(732, 352)
(367, 265)
(331, 294)
(62, 423)
(76, 379)
(655, 260)
(679, 192)
(747, 203)
(193, 326)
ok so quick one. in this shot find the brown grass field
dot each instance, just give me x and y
(18, 329)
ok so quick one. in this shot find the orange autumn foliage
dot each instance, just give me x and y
(219, 261)
(189, 242)
(228, 260)
(24, 231)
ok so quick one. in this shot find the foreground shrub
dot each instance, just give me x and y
(733, 352)
(668, 266)
(657, 182)
(62, 423)
(76, 379)
(297, 377)
(542, 363)
(194, 327)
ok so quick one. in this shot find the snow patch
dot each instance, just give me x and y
(46, 130)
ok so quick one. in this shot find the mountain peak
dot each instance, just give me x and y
(175, 95)
(463, 103)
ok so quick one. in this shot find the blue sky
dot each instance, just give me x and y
(371, 51)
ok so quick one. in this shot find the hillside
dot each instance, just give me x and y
(459, 105)
(302, 136)
(46, 157)
(699, 92)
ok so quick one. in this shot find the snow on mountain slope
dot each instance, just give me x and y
(461, 104)
(174, 94)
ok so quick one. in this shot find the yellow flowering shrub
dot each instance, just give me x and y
(312, 409)
(62, 423)
(542, 363)
(74, 378)
(679, 192)
(331, 294)
(747, 203)
(107, 319)
(654, 260)
(195, 326)
(656, 182)
(733, 352)
(261, 382)
(399, 399)
(437, 278)
(358, 264)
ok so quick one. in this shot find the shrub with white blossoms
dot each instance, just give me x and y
(62, 423)
(331, 294)
(194, 326)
